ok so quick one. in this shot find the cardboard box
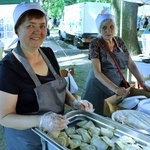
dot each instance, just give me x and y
(111, 103)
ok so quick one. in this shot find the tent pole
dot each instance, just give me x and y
(121, 18)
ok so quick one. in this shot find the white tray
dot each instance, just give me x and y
(132, 118)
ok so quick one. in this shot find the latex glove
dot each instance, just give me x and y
(52, 122)
(82, 105)
(121, 91)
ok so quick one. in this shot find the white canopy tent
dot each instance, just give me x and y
(144, 10)
(139, 1)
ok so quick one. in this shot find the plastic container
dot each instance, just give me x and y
(146, 43)
(144, 106)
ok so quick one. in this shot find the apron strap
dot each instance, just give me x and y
(26, 65)
(49, 64)
(117, 45)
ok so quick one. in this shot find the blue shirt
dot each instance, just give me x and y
(147, 31)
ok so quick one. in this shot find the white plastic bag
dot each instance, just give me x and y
(71, 84)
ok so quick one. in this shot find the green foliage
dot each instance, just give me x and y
(105, 1)
(53, 7)
(69, 2)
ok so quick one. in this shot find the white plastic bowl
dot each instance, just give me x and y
(129, 103)
(144, 106)
(132, 101)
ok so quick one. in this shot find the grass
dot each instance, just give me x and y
(80, 75)
(80, 64)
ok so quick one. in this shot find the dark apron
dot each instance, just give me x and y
(50, 97)
(94, 91)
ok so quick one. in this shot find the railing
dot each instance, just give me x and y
(6, 30)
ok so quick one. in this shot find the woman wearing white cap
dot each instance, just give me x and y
(32, 92)
(104, 79)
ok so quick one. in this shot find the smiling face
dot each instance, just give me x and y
(31, 31)
(107, 29)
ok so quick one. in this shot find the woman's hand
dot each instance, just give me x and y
(121, 91)
(82, 105)
(52, 122)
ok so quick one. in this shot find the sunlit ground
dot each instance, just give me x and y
(79, 59)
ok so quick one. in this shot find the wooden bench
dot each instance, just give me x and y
(65, 72)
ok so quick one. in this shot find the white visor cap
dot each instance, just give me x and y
(23, 7)
(101, 17)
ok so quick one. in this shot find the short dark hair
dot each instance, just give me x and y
(30, 14)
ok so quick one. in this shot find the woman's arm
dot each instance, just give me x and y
(8, 116)
(69, 98)
(49, 121)
(104, 80)
(101, 77)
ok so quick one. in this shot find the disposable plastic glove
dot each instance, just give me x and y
(52, 122)
(82, 105)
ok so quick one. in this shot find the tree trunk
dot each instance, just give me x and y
(129, 24)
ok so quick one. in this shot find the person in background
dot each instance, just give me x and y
(148, 20)
(147, 30)
(139, 26)
(104, 79)
(54, 22)
(145, 22)
(32, 91)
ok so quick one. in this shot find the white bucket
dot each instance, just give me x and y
(146, 43)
